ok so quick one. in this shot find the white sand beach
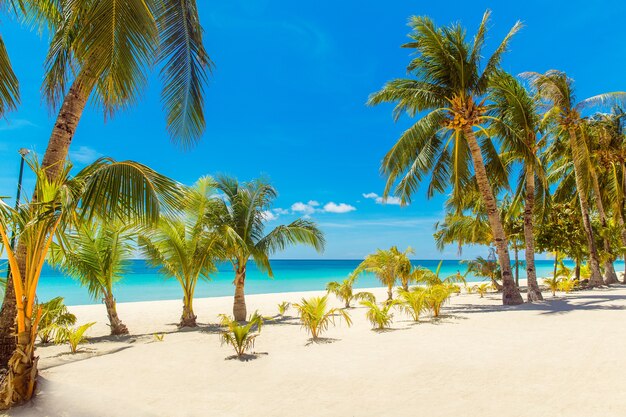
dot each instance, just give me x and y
(556, 358)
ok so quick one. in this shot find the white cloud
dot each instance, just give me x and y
(268, 216)
(301, 207)
(280, 211)
(394, 201)
(84, 155)
(338, 208)
(315, 207)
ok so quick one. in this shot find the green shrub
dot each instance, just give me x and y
(73, 336)
(241, 336)
(54, 318)
(412, 302)
(380, 316)
(436, 296)
(316, 317)
(283, 307)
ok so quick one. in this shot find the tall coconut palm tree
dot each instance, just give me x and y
(611, 159)
(388, 265)
(185, 247)
(517, 119)
(107, 60)
(450, 85)
(241, 220)
(114, 191)
(557, 90)
(97, 255)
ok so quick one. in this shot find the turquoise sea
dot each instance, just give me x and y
(142, 283)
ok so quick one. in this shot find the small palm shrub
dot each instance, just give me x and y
(241, 336)
(73, 336)
(283, 307)
(379, 315)
(482, 289)
(553, 284)
(158, 337)
(54, 317)
(344, 292)
(436, 296)
(567, 285)
(470, 289)
(413, 302)
(316, 317)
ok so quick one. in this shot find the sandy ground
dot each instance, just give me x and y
(562, 357)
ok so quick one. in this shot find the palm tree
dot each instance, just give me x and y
(240, 219)
(185, 246)
(557, 89)
(97, 256)
(517, 119)
(344, 292)
(107, 60)
(387, 265)
(611, 157)
(486, 268)
(106, 189)
(451, 86)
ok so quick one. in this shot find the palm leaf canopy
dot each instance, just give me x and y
(113, 53)
(97, 255)
(184, 245)
(241, 219)
(449, 75)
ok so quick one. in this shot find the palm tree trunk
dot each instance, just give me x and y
(620, 220)
(556, 262)
(390, 293)
(188, 318)
(594, 263)
(21, 372)
(610, 276)
(577, 270)
(56, 153)
(516, 260)
(239, 306)
(534, 293)
(117, 327)
(510, 292)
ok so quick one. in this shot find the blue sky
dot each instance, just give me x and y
(287, 98)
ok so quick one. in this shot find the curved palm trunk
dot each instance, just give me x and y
(534, 293)
(239, 306)
(516, 262)
(510, 292)
(21, 376)
(56, 153)
(390, 292)
(594, 263)
(117, 327)
(620, 220)
(188, 318)
(610, 276)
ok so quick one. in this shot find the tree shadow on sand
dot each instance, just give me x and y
(246, 357)
(321, 341)
(578, 301)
